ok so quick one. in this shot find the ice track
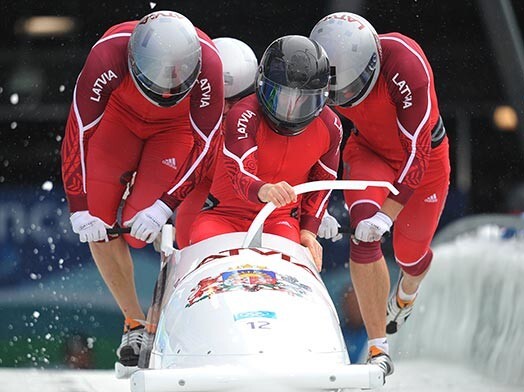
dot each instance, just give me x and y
(410, 376)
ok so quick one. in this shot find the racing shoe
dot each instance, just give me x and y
(380, 358)
(398, 312)
(132, 339)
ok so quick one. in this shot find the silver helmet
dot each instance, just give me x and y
(240, 67)
(164, 57)
(353, 48)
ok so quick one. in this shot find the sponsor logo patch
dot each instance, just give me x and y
(255, 314)
(431, 198)
(171, 162)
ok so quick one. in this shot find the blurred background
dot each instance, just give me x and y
(55, 307)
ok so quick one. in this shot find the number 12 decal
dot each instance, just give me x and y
(259, 324)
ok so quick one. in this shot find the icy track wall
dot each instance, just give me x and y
(471, 306)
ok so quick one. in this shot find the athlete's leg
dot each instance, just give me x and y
(284, 226)
(412, 236)
(108, 169)
(209, 224)
(414, 229)
(163, 155)
(188, 210)
(416, 226)
(116, 267)
(369, 272)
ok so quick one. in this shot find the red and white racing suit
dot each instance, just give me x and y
(113, 130)
(189, 209)
(253, 155)
(399, 137)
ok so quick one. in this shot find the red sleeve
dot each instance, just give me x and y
(206, 107)
(314, 204)
(103, 71)
(410, 83)
(240, 149)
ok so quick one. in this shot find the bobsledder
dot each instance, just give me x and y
(246, 311)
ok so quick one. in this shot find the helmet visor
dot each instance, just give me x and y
(352, 92)
(290, 105)
(165, 80)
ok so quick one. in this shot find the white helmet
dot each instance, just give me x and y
(353, 48)
(164, 57)
(240, 67)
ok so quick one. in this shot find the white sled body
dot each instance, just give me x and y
(234, 318)
(249, 312)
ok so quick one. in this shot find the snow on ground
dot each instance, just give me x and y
(33, 380)
(434, 376)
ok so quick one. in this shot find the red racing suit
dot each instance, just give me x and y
(253, 155)
(190, 207)
(399, 137)
(113, 130)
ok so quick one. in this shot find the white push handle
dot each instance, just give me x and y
(166, 245)
(254, 234)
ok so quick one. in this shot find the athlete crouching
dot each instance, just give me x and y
(281, 136)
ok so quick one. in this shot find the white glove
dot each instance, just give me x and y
(372, 229)
(89, 227)
(329, 228)
(146, 224)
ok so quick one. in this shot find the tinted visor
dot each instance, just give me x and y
(290, 105)
(351, 93)
(173, 91)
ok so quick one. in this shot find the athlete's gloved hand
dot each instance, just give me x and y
(372, 229)
(146, 224)
(329, 228)
(89, 227)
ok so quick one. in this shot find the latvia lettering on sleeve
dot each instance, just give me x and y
(404, 90)
(100, 83)
(242, 123)
(205, 97)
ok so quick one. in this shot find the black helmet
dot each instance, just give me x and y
(164, 57)
(292, 83)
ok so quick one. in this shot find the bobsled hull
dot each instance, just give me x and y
(236, 317)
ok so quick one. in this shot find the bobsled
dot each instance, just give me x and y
(247, 312)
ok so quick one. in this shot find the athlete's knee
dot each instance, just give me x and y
(206, 227)
(134, 242)
(363, 252)
(416, 267)
(287, 227)
(360, 210)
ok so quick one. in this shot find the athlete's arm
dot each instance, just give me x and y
(314, 204)
(207, 104)
(104, 69)
(240, 149)
(410, 87)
